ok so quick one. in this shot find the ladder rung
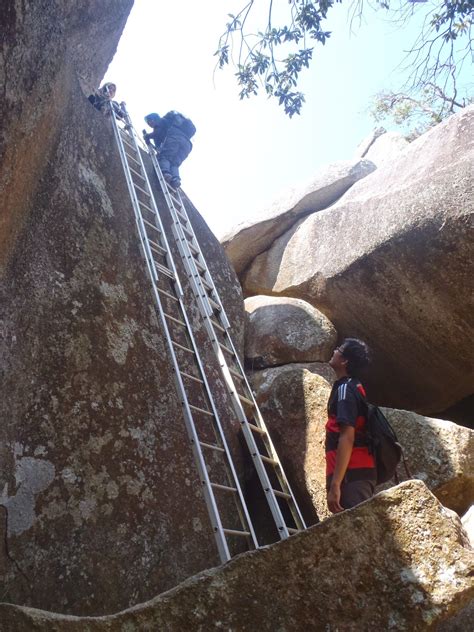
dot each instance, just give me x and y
(148, 208)
(174, 198)
(132, 158)
(167, 294)
(137, 174)
(239, 376)
(246, 400)
(124, 136)
(191, 377)
(158, 250)
(224, 348)
(206, 284)
(199, 265)
(224, 488)
(201, 410)
(142, 190)
(235, 532)
(166, 271)
(154, 243)
(282, 494)
(129, 144)
(176, 344)
(267, 459)
(215, 305)
(176, 320)
(256, 428)
(145, 221)
(193, 248)
(216, 325)
(187, 230)
(182, 215)
(211, 446)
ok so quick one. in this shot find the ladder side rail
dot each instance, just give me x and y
(238, 408)
(194, 439)
(204, 378)
(260, 422)
(135, 204)
(248, 435)
(134, 195)
(223, 549)
(218, 422)
(175, 219)
(206, 310)
(209, 497)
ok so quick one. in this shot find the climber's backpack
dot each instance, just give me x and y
(184, 124)
(383, 444)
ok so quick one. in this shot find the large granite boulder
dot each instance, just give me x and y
(250, 238)
(392, 263)
(397, 562)
(440, 453)
(101, 505)
(284, 330)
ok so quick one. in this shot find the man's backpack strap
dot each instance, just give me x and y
(405, 465)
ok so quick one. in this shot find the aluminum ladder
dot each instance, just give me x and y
(203, 425)
(284, 509)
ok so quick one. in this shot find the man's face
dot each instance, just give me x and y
(338, 361)
(111, 91)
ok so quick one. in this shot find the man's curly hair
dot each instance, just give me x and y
(356, 353)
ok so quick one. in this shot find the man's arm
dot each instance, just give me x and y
(159, 131)
(343, 455)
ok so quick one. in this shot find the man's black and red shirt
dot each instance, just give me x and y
(346, 407)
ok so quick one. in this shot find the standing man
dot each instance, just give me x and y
(350, 468)
(171, 135)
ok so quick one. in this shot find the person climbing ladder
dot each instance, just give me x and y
(171, 136)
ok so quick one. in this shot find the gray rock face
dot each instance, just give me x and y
(102, 505)
(392, 263)
(285, 330)
(411, 569)
(44, 45)
(249, 239)
(440, 453)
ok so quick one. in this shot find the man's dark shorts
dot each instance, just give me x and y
(356, 492)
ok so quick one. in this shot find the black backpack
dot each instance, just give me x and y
(184, 124)
(383, 444)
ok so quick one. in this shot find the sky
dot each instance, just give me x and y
(248, 153)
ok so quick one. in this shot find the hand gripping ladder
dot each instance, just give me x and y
(285, 511)
(200, 413)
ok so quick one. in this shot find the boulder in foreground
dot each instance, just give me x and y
(412, 568)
